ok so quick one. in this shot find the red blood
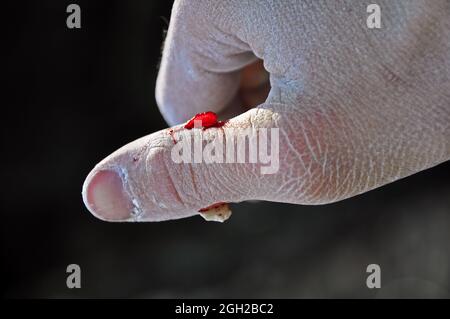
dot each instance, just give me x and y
(216, 205)
(171, 133)
(208, 119)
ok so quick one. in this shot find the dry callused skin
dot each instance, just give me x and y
(356, 108)
(217, 213)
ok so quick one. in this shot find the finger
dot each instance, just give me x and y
(200, 64)
(142, 181)
(320, 154)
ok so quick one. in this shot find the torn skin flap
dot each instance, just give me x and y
(219, 212)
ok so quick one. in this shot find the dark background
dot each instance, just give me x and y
(74, 96)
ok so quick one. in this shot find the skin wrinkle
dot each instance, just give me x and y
(328, 193)
(293, 149)
(206, 188)
(222, 180)
(325, 160)
(316, 190)
(308, 143)
(194, 183)
(314, 183)
(312, 180)
(147, 199)
(343, 184)
(308, 172)
(226, 180)
(173, 184)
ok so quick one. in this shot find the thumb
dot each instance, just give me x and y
(318, 154)
(176, 172)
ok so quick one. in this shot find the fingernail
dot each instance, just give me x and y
(105, 197)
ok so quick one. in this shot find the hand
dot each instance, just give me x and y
(356, 108)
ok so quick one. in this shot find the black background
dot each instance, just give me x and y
(74, 96)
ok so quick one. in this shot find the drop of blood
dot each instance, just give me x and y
(208, 119)
(171, 133)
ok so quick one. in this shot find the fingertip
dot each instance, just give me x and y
(105, 197)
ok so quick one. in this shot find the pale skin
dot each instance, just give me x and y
(356, 108)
